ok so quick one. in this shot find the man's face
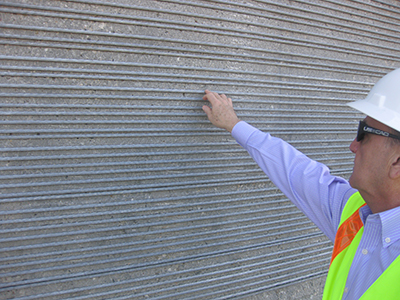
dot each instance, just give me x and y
(372, 161)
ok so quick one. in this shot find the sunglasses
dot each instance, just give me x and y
(363, 128)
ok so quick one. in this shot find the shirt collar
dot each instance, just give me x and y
(390, 225)
(390, 222)
(365, 212)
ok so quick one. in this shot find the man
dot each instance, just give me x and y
(361, 216)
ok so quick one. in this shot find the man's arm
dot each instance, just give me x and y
(308, 184)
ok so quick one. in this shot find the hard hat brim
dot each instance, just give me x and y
(381, 114)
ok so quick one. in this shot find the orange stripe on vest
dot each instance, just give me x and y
(346, 233)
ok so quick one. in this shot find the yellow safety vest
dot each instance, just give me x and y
(347, 239)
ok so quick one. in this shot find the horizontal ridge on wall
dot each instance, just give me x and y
(207, 29)
(135, 49)
(113, 18)
(334, 67)
(149, 265)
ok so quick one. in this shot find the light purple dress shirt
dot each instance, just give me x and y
(322, 196)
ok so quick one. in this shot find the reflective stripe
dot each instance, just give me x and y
(346, 233)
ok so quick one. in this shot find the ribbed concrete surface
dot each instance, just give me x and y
(113, 183)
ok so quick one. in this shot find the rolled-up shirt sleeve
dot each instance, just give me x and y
(307, 183)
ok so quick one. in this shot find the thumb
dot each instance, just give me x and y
(207, 110)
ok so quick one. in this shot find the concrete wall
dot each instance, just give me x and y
(114, 185)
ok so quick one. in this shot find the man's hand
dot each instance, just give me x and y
(221, 113)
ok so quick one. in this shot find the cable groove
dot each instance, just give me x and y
(379, 71)
(166, 21)
(73, 44)
(192, 257)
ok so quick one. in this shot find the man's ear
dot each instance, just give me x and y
(394, 172)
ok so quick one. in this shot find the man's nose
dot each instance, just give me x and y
(354, 146)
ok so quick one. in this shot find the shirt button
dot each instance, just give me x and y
(365, 251)
(387, 240)
(346, 289)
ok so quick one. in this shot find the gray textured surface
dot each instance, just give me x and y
(113, 183)
(311, 289)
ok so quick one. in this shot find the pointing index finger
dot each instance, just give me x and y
(214, 97)
(209, 96)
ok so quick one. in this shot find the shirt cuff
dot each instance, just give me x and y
(242, 131)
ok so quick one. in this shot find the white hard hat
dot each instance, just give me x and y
(383, 101)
